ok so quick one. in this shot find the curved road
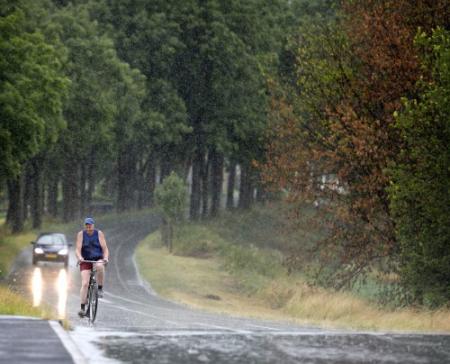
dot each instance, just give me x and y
(134, 325)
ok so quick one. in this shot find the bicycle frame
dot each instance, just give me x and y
(92, 293)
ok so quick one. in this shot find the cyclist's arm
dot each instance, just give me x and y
(78, 245)
(101, 238)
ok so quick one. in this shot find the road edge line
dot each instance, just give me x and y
(146, 285)
(68, 343)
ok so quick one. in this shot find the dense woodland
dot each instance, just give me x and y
(343, 105)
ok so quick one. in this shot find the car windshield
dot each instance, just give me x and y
(51, 240)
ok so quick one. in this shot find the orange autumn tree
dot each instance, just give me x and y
(332, 138)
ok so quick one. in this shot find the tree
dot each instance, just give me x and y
(170, 197)
(221, 80)
(148, 39)
(420, 193)
(99, 79)
(128, 89)
(350, 81)
(31, 96)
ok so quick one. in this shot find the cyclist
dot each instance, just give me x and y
(91, 245)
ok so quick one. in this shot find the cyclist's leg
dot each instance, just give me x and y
(100, 273)
(84, 285)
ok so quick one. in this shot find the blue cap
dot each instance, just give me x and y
(89, 220)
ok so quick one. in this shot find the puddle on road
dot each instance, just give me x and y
(265, 348)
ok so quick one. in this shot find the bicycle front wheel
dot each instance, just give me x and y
(92, 302)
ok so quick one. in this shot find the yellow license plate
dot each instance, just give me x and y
(51, 256)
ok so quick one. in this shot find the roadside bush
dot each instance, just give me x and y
(238, 259)
(171, 200)
(420, 193)
(196, 241)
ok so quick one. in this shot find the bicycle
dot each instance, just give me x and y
(92, 293)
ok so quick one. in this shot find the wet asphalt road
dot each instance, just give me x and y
(136, 326)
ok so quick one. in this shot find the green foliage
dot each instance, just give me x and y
(31, 92)
(252, 259)
(147, 39)
(93, 66)
(171, 198)
(252, 265)
(420, 194)
(195, 240)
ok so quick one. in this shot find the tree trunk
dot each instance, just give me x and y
(36, 198)
(170, 236)
(27, 190)
(230, 185)
(126, 169)
(261, 194)
(217, 181)
(122, 192)
(15, 197)
(52, 196)
(167, 233)
(70, 190)
(149, 182)
(82, 185)
(140, 184)
(166, 166)
(205, 187)
(196, 185)
(245, 188)
(91, 185)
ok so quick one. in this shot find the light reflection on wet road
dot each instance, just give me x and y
(60, 288)
(36, 286)
(136, 326)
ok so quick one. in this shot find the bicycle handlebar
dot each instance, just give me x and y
(101, 261)
(93, 261)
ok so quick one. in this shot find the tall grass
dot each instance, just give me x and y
(13, 304)
(238, 258)
(10, 246)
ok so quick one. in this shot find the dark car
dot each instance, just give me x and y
(51, 247)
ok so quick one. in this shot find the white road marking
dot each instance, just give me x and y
(126, 299)
(85, 338)
(225, 328)
(264, 327)
(68, 343)
(141, 281)
(146, 314)
(104, 300)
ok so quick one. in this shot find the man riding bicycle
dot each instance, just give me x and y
(91, 245)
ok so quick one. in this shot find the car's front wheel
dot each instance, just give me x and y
(34, 260)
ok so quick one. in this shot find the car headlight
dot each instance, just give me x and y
(63, 251)
(38, 250)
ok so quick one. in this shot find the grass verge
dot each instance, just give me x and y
(14, 304)
(217, 271)
(10, 246)
(197, 282)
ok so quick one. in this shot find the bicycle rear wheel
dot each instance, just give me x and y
(92, 302)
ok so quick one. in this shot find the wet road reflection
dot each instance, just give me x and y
(62, 287)
(53, 285)
(36, 286)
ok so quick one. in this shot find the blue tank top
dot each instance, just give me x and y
(91, 248)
